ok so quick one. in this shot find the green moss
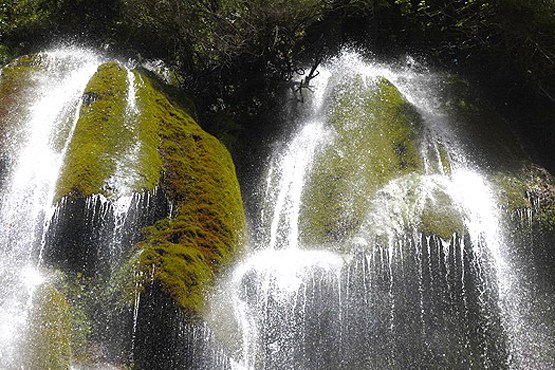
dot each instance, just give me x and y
(207, 229)
(530, 188)
(444, 159)
(512, 191)
(376, 141)
(440, 216)
(16, 85)
(105, 135)
(48, 345)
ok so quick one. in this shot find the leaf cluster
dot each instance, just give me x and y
(235, 56)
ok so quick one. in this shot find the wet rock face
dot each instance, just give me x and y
(161, 341)
(89, 235)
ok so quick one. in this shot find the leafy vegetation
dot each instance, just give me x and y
(255, 43)
(237, 56)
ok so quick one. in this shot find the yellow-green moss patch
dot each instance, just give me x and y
(48, 342)
(107, 138)
(441, 217)
(182, 253)
(376, 141)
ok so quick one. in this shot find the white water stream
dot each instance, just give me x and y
(28, 193)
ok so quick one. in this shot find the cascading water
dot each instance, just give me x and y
(38, 133)
(28, 191)
(380, 244)
(398, 291)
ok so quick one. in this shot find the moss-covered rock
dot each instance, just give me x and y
(134, 133)
(414, 202)
(48, 342)
(183, 252)
(376, 140)
(16, 85)
(109, 137)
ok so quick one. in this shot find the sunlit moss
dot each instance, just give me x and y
(48, 342)
(182, 253)
(441, 217)
(105, 133)
(376, 141)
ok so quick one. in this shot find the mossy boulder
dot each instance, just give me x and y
(129, 132)
(183, 252)
(376, 140)
(414, 202)
(110, 137)
(48, 342)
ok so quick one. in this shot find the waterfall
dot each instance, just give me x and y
(380, 240)
(39, 233)
(393, 293)
(28, 191)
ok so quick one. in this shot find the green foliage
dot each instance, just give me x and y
(26, 16)
(515, 35)
(27, 24)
